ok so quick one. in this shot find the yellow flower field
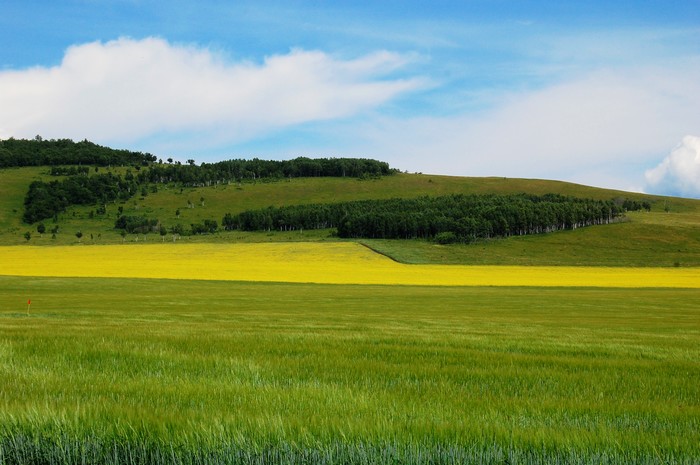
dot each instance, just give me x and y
(331, 263)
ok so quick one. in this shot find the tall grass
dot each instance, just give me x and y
(159, 371)
(19, 449)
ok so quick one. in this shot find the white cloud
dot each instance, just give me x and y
(679, 172)
(614, 121)
(126, 89)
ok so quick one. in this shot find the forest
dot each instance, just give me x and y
(40, 152)
(446, 219)
(47, 199)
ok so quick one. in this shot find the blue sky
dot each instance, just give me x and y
(597, 92)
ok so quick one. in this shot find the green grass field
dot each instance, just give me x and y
(161, 371)
(149, 371)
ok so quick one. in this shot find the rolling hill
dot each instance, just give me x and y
(668, 235)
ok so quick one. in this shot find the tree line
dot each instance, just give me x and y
(451, 218)
(135, 224)
(40, 152)
(256, 169)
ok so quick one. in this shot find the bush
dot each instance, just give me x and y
(137, 224)
(209, 227)
(447, 237)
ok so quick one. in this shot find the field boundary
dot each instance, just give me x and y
(377, 251)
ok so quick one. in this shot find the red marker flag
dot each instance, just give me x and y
(29, 301)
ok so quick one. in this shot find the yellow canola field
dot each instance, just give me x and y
(331, 263)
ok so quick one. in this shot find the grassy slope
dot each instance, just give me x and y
(571, 371)
(658, 238)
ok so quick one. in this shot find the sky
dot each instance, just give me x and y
(599, 92)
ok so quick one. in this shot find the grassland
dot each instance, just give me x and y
(168, 371)
(667, 236)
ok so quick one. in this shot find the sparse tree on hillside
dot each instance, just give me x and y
(27, 235)
(41, 229)
(79, 235)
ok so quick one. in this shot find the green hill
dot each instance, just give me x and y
(669, 235)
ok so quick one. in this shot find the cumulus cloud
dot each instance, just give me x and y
(128, 89)
(678, 173)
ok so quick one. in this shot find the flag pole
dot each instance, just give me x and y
(29, 304)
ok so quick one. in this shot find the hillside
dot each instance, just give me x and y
(669, 235)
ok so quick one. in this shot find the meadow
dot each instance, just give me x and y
(180, 371)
